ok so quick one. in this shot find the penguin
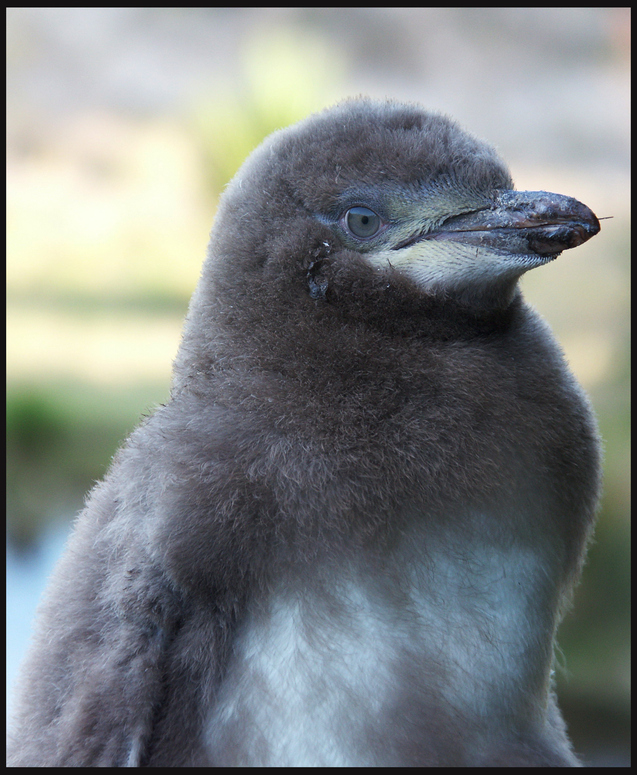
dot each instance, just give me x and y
(349, 537)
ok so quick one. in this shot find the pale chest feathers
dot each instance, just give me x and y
(357, 666)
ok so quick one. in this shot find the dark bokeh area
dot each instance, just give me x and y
(124, 125)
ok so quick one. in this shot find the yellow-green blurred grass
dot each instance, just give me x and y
(107, 230)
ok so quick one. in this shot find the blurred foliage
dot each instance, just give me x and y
(60, 440)
(288, 74)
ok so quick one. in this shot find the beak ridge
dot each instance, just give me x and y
(523, 222)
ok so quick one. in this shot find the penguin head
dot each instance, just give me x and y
(392, 196)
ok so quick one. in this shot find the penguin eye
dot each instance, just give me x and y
(362, 222)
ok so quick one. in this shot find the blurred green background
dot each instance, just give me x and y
(124, 125)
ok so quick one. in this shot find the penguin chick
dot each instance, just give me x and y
(349, 537)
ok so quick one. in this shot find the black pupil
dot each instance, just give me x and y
(362, 221)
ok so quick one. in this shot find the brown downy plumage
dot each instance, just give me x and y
(349, 537)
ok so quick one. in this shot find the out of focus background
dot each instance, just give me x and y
(124, 125)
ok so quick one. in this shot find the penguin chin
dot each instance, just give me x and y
(479, 276)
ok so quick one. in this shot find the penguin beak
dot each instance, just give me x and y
(531, 223)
